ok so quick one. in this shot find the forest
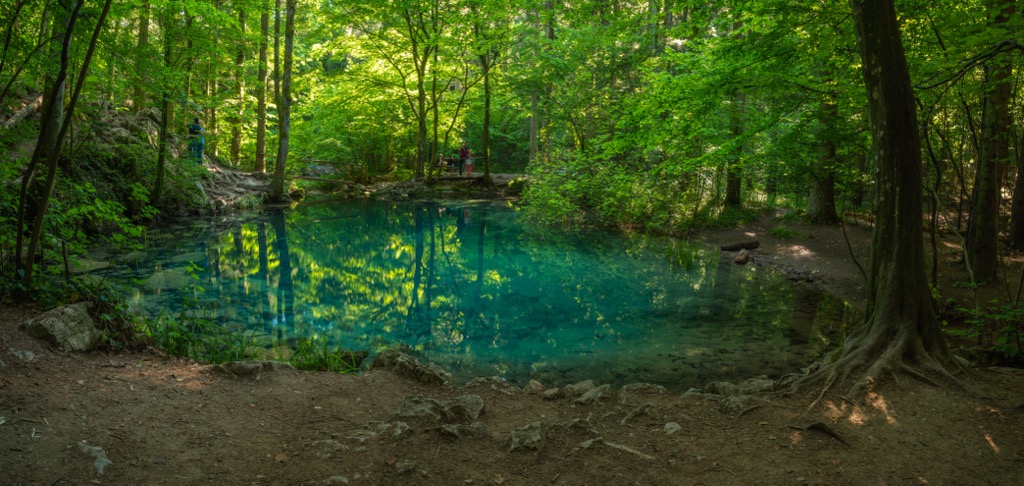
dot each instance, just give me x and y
(659, 116)
(886, 131)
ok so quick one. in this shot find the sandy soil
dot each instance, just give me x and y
(161, 420)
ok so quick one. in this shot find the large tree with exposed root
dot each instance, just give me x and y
(901, 333)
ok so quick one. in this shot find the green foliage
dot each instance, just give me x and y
(999, 328)
(785, 233)
(196, 333)
(315, 354)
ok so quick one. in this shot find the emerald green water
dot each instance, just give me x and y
(474, 289)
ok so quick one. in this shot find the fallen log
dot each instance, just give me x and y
(24, 112)
(742, 257)
(741, 245)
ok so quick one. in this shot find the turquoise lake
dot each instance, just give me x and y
(474, 289)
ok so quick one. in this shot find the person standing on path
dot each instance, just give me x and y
(464, 155)
(196, 141)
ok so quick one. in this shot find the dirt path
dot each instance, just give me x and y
(169, 421)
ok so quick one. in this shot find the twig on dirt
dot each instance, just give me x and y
(729, 471)
(555, 478)
(628, 449)
(749, 409)
(59, 480)
(823, 428)
(32, 420)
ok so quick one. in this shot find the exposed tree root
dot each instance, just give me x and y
(823, 428)
(869, 358)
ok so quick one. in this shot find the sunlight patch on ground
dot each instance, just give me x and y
(986, 408)
(795, 438)
(992, 442)
(800, 251)
(878, 402)
(856, 414)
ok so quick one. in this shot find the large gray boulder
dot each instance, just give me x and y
(69, 327)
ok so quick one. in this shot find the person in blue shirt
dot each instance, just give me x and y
(196, 141)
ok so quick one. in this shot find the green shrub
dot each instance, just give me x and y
(315, 354)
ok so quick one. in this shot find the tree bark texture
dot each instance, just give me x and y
(261, 98)
(733, 169)
(901, 327)
(284, 107)
(983, 227)
(236, 122)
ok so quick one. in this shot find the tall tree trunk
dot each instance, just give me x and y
(1017, 203)
(734, 171)
(38, 218)
(142, 45)
(983, 227)
(261, 97)
(485, 63)
(33, 191)
(821, 207)
(901, 328)
(284, 107)
(165, 115)
(236, 123)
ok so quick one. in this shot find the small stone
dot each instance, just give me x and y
(551, 394)
(578, 389)
(467, 407)
(742, 257)
(638, 389)
(419, 407)
(336, 480)
(405, 466)
(404, 365)
(460, 431)
(757, 385)
(26, 356)
(534, 387)
(529, 437)
(398, 429)
(721, 388)
(672, 427)
(593, 395)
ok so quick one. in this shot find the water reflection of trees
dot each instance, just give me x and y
(463, 284)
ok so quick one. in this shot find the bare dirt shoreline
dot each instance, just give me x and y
(161, 420)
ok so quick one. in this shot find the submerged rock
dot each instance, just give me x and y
(168, 280)
(70, 327)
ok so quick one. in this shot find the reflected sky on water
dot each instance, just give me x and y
(476, 290)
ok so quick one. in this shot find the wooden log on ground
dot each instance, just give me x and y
(741, 245)
(742, 257)
(24, 112)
